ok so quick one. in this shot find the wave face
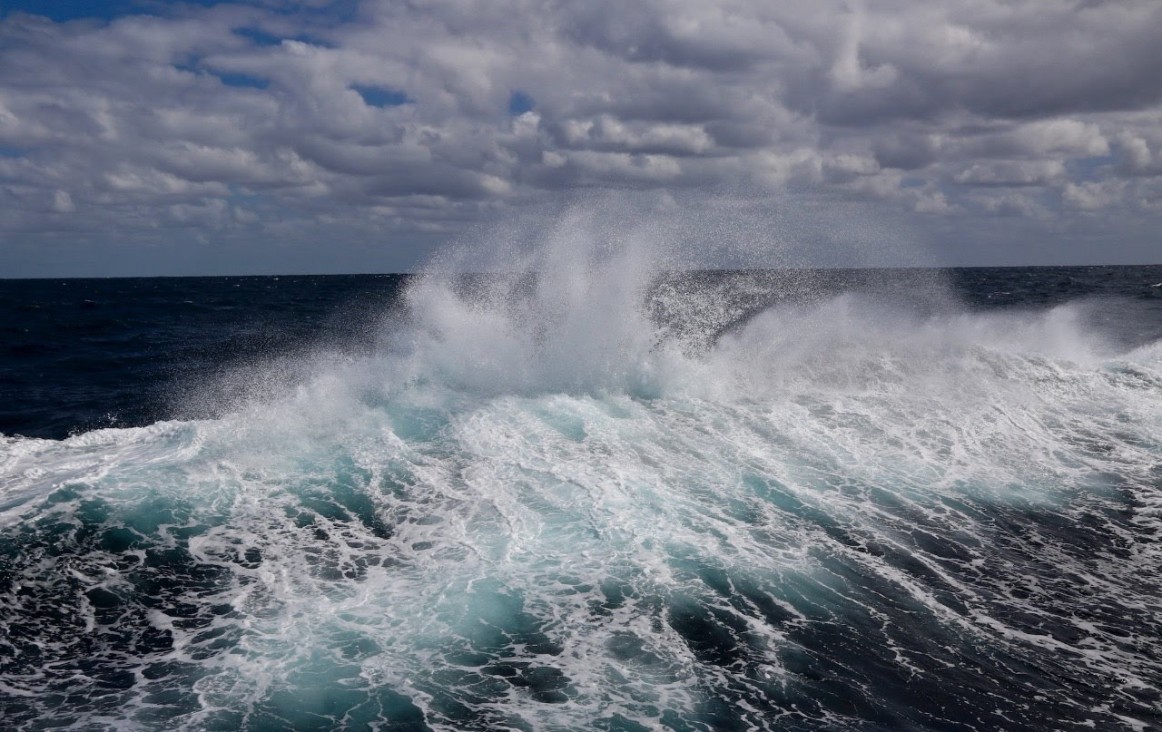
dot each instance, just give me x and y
(600, 497)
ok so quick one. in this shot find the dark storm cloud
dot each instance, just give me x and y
(250, 118)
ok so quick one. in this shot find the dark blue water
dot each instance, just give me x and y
(609, 499)
(86, 353)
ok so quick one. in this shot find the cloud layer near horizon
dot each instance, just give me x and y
(300, 136)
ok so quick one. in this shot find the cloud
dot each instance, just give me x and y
(388, 119)
(1013, 173)
(1094, 195)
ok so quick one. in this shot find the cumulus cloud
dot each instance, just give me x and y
(398, 125)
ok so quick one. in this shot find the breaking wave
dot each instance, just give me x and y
(594, 494)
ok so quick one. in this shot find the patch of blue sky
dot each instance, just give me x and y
(64, 10)
(378, 96)
(333, 13)
(193, 65)
(1090, 169)
(230, 78)
(10, 151)
(259, 37)
(519, 102)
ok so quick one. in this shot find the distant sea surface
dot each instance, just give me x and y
(80, 354)
(595, 497)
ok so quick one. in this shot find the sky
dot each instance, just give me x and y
(140, 137)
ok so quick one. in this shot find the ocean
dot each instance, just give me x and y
(601, 495)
